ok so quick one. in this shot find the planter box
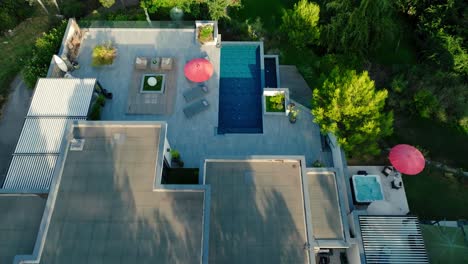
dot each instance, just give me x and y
(161, 83)
(272, 92)
(214, 24)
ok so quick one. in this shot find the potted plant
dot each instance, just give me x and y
(317, 164)
(293, 112)
(104, 54)
(176, 161)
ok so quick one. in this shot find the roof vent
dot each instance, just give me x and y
(77, 144)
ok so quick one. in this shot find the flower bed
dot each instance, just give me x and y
(275, 103)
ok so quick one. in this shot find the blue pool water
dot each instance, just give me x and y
(270, 73)
(367, 189)
(240, 94)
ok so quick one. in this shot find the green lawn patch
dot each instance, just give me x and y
(432, 195)
(443, 142)
(269, 11)
(180, 176)
(149, 88)
(445, 244)
(272, 104)
(16, 50)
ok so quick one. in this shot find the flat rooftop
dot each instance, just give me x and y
(324, 205)
(19, 224)
(106, 210)
(257, 212)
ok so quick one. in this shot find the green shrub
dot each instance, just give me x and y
(101, 100)
(45, 47)
(104, 54)
(300, 24)
(463, 123)
(95, 111)
(175, 155)
(277, 101)
(425, 103)
(205, 33)
(12, 12)
(73, 8)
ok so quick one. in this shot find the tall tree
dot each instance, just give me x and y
(300, 24)
(107, 3)
(358, 26)
(218, 8)
(349, 106)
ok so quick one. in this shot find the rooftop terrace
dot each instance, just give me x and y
(279, 136)
(257, 212)
(106, 210)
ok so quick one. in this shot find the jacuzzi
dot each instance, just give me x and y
(367, 188)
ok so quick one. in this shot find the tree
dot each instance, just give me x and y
(359, 26)
(218, 8)
(301, 23)
(107, 3)
(349, 106)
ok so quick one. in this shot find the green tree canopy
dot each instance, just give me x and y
(107, 3)
(349, 106)
(301, 23)
(358, 26)
(218, 8)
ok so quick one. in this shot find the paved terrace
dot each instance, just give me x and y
(195, 138)
(19, 224)
(106, 210)
(257, 212)
(395, 197)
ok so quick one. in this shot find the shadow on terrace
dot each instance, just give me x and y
(106, 210)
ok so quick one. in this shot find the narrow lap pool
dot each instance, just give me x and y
(240, 94)
(367, 188)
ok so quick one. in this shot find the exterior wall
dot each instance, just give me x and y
(352, 254)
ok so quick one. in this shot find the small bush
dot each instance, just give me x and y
(175, 155)
(104, 54)
(277, 101)
(205, 33)
(425, 103)
(95, 111)
(45, 47)
(101, 100)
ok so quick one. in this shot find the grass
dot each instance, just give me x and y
(157, 87)
(269, 11)
(444, 143)
(445, 244)
(180, 176)
(271, 105)
(434, 196)
(16, 49)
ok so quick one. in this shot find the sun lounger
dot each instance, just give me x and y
(195, 108)
(195, 93)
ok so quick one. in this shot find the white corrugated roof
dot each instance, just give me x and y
(392, 239)
(62, 97)
(30, 172)
(41, 135)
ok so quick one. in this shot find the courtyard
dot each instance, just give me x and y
(195, 138)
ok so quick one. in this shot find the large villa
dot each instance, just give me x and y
(268, 189)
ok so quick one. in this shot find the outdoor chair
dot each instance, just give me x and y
(195, 93)
(141, 63)
(166, 64)
(362, 172)
(196, 108)
(387, 170)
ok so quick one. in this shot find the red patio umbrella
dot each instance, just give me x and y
(407, 159)
(198, 70)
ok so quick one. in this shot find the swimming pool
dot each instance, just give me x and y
(240, 89)
(271, 62)
(367, 188)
